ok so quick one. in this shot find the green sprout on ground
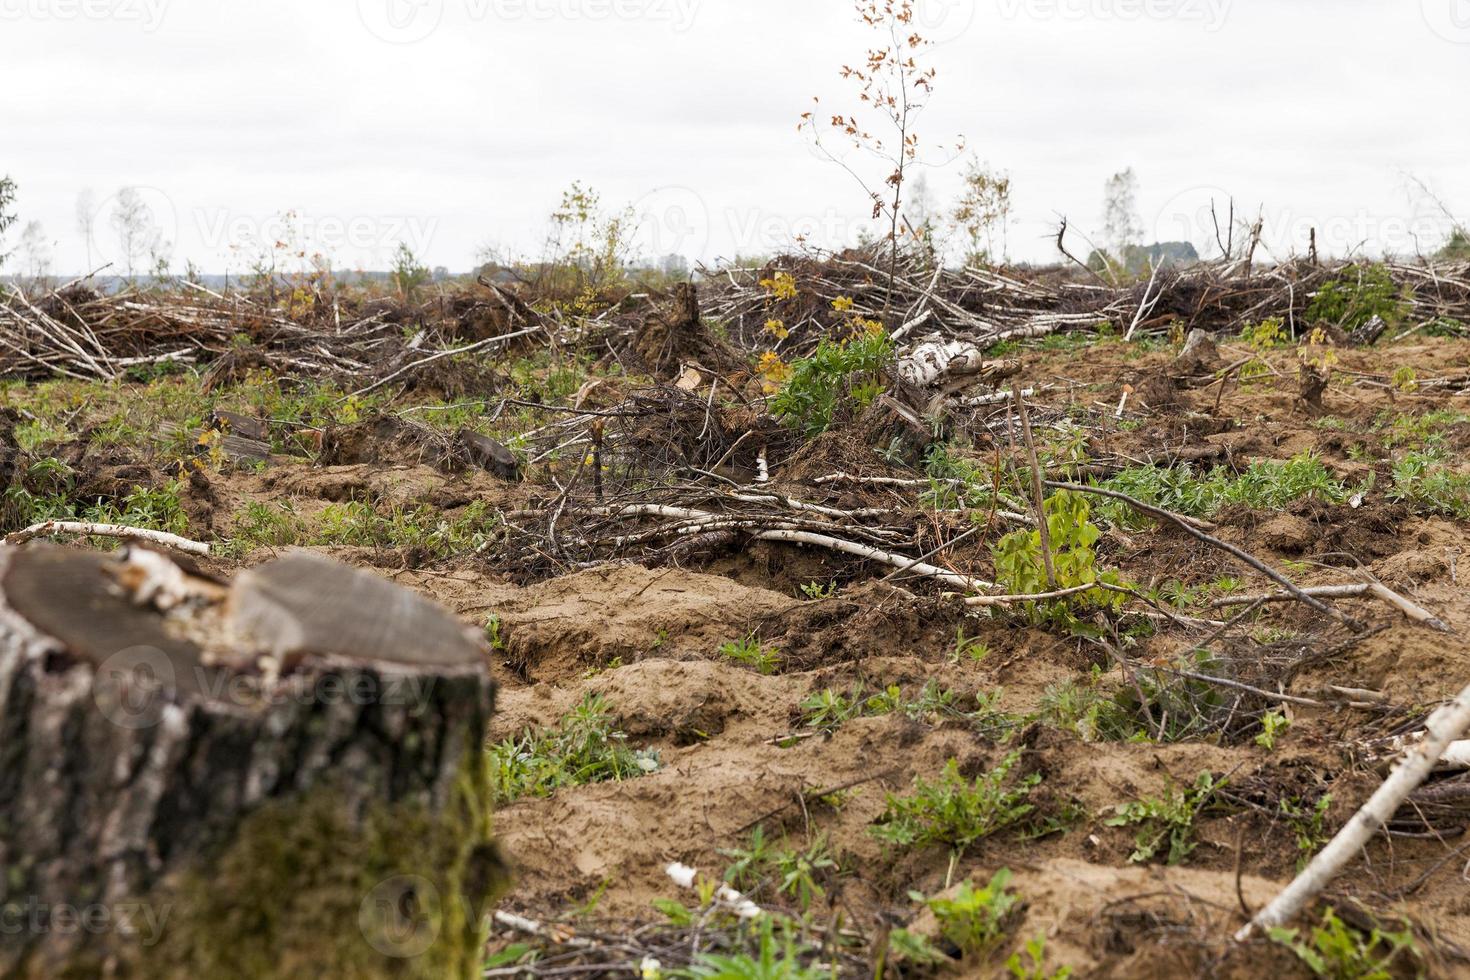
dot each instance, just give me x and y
(1337, 950)
(585, 748)
(956, 811)
(975, 920)
(752, 653)
(1167, 820)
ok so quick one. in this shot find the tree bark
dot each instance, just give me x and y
(200, 781)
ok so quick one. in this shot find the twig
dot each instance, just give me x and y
(1189, 526)
(48, 528)
(1347, 591)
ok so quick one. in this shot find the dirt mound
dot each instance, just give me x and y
(562, 627)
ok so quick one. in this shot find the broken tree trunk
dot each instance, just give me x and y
(248, 781)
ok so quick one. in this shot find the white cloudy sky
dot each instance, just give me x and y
(451, 124)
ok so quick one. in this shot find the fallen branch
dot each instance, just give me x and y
(1191, 526)
(1444, 727)
(48, 528)
(1349, 590)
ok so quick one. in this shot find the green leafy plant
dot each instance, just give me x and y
(1273, 724)
(1266, 335)
(749, 651)
(1308, 825)
(774, 959)
(975, 919)
(957, 812)
(1020, 567)
(826, 709)
(1428, 483)
(584, 749)
(968, 647)
(1335, 949)
(816, 590)
(1034, 966)
(1167, 819)
(797, 871)
(1265, 484)
(1354, 298)
(839, 374)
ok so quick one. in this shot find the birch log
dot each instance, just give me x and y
(279, 777)
(1443, 728)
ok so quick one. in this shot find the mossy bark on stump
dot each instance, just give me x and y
(282, 778)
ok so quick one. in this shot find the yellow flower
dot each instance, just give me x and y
(781, 286)
(777, 329)
(842, 304)
(774, 371)
(872, 328)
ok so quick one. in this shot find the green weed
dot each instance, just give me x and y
(1167, 819)
(585, 748)
(956, 811)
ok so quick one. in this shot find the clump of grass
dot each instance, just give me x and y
(828, 709)
(1265, 484)
(1426, 481)
(1167, 820)
(798, 873)
(752, 653)
(976, 919)
(1335, 949)
(585, 748)
(359, 523)
(956, 811)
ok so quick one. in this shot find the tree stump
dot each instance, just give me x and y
(279, 778)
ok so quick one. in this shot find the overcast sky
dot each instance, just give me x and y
(453, 124)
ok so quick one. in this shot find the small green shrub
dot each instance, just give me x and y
(1335, 949)
(774, 959)
(1427, 482)
(956, 811)
(1308, 825)
(1020, 567)
(584, 749)
(838, 374)
(1034, 966)
(1357, 296)
(975, 919)
(749, 651)
(1168, 818)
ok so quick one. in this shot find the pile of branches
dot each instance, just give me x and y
(75, 331)
(985, 305)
